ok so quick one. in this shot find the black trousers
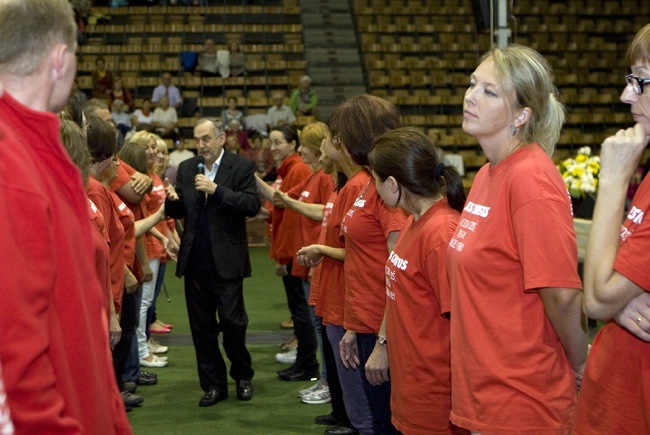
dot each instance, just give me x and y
(128, 322)
(302, 323)
(207, 295)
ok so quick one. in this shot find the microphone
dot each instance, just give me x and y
(201, 165)
(201, 170)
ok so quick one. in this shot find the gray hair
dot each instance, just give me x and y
(216, 124)
(28, 31)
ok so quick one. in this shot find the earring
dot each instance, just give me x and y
(513, 130)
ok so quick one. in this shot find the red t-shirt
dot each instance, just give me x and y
(103, 198)
(330, 302)
(124, 172)
(152, 202)
(510, 372)
(315, 189)
(285, 221)
(365, 228)
(615, 395)
(316, 273)
(417, 325)
(54, 348)
(101, 241)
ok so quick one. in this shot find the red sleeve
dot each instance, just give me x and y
(284, 234)
(124, 172)
(295, 191)
(390, 219)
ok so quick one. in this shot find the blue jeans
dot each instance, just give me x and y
(151, 312)
(132, 367)
(378, 396)
(354, 396)
(318, 327)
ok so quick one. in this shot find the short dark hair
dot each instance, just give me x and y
(101, 139)
(361, 119)
(289, 132)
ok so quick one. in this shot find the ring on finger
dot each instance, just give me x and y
(639, 319)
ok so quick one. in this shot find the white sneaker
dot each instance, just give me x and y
(155, 362)
(314, 388)
(288, 357)
(155, 347)
(318, 398)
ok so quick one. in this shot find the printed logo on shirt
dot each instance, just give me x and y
(398, 262)
(121, 207)
(327, 211)
(635, 215)
(359, 203)
(304, 194)
(465, 225)
(477, 209)
(390, 277)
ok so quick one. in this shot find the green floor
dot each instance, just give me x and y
(171, 407)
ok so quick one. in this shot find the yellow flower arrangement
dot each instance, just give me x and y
(580, 174)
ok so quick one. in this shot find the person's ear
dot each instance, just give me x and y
(57, 61)
(392, 184)
(522, 117)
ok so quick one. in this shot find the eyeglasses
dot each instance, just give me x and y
(637, 82)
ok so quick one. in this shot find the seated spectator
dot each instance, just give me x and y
(213, 62)
(280, 113)
(165, 119)
(232, 145)
(102, 79)
(81, 95)
(236, 131)
(142, 119)
(231, 112)
(304, 99)
(167, 88)
(237, 60)
(208, 64)
(120, 117)
(119, 92)
(180, 154)
(261, 155)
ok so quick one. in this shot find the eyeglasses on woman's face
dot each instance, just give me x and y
(637, 82)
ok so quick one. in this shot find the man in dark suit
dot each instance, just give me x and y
(215, 192)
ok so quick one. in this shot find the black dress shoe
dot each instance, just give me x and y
(326, 420)
(298, 373)
(212, 397)
(340, 430)
(244, 389)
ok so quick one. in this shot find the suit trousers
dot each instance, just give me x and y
(207, 295)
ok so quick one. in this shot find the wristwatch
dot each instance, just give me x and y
(381, 339)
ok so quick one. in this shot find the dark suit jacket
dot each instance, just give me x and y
(236, 198)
